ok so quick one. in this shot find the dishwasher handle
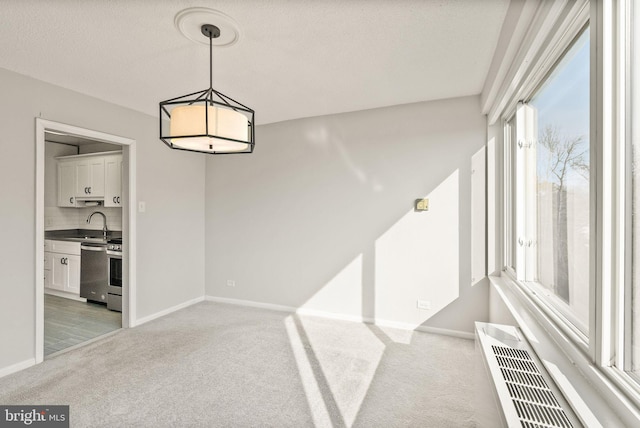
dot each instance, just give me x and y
(98, 248)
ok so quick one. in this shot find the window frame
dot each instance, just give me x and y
(606, 350)
(525, 263)
(508, 215)
(623, 310)
(554, 305)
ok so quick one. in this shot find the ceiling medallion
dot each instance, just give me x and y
(189, 22)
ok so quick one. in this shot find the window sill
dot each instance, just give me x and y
(590, 390)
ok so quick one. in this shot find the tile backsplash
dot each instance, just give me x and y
(56, 218)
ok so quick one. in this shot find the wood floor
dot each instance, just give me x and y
(68, 322)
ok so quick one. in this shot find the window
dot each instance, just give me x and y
(572, 193)
(552, 186)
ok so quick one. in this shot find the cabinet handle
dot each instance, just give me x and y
(63, 261)
(114, 199)
(71, 200)
(89, 190)
(118, 199)
(85, 190)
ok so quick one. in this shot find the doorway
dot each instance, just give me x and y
(67, 311)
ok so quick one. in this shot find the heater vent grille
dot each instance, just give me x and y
(534, 401)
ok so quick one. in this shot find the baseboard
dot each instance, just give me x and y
(426, 329)
(5, 371)
(167, 311)
(446, 332)
(64, 294)
(290, 309)
(342, 317)
(333, 315)
(250, 303)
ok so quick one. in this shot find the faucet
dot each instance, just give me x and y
(104, 218)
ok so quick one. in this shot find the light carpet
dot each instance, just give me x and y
(218, 365)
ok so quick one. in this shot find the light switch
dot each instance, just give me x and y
(422, 204)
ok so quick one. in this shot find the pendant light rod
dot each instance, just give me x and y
(212, 32)
(210, 61)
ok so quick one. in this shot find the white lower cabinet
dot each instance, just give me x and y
(62, 266)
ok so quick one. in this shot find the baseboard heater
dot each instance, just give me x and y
(524, 394)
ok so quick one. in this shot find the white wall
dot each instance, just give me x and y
(170, 263)
(321, 216)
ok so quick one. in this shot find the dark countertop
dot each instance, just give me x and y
(82, 235)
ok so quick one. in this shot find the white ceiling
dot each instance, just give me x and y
(295, 58)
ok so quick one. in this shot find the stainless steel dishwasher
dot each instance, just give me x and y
(93, 272)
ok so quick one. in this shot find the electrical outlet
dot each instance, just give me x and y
(142, 206)
(424, 304)
(231, 283)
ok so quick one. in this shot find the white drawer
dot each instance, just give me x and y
(65, 247)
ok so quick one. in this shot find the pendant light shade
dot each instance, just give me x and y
(228, 126)
(207, 121)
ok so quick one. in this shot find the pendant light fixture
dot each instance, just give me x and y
(207, 121)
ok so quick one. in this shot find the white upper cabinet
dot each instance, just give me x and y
(90, 177)
(113, 181)
(66, 184)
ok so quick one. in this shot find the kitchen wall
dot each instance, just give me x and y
(170, 243)
(57, 218)
(321, 216)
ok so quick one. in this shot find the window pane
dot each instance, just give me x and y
(562, 170)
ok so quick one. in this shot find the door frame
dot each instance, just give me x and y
(128, 222)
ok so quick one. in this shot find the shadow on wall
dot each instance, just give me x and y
(321, 216)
